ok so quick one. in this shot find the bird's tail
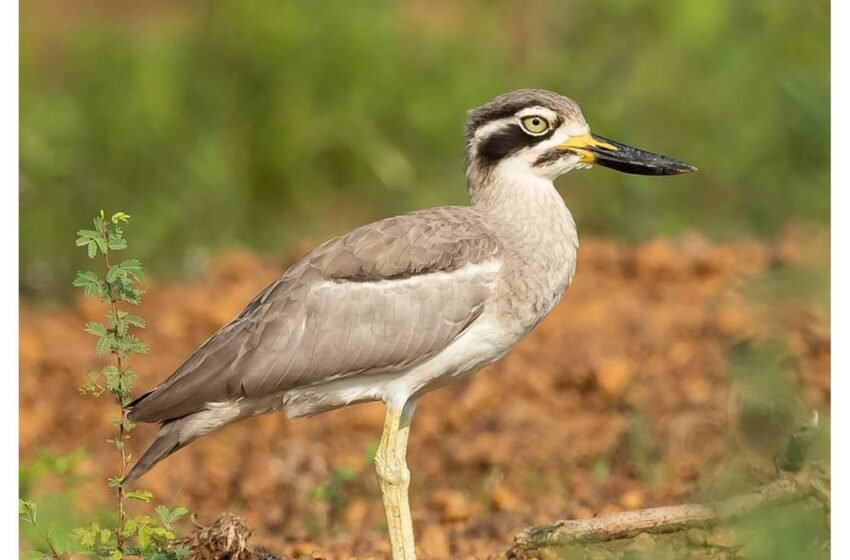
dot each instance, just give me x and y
(167, 441)
(180, 432)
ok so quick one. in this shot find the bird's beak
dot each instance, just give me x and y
(601, 151)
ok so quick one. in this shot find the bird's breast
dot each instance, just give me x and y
(540, 265)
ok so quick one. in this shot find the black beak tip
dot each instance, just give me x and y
(663, 165)
(684, 168)
(635, 161)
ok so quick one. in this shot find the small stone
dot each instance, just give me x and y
(503, 499)
(305, 548)
(735, 321)
(613, 376)
(633, 499)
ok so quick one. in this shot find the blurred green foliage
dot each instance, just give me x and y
(260, 123)
(57, 512)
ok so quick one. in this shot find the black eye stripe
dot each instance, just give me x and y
(507, 141)
(548, 157)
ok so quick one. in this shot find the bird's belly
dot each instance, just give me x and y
(484, 342)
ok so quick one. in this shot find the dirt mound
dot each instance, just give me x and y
(618, 400)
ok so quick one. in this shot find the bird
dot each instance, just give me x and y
(404, 305)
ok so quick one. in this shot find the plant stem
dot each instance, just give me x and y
(45, 538)
(119, 398)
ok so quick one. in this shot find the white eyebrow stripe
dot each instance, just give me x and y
(493, 126)
(537, 110)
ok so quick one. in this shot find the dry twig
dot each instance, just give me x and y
(657, 520)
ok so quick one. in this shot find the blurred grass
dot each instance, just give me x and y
(787, 532)
(263, 123)
(58, 512)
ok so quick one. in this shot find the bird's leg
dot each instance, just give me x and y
(394, 480)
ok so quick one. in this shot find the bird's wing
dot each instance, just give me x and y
(380, 299)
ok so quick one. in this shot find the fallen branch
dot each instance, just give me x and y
(659, 520)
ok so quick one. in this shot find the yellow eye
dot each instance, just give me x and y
(535, 125)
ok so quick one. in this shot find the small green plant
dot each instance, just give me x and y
(118, 285)
(142, 535)
(28, 512)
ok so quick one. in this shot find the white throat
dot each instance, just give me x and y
(514, 183)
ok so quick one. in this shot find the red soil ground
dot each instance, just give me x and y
(617, 400)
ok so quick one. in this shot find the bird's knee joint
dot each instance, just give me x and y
(392, 472)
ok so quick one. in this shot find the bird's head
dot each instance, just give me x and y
(538, 133)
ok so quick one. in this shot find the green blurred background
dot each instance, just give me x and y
(261, 123)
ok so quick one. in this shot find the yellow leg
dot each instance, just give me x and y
(394, 480)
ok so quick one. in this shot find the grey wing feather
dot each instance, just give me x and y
(379, 299)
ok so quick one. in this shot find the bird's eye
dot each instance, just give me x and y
(535, 125)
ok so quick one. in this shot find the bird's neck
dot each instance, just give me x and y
(539, 241)
(518, 198)
(528, 212)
